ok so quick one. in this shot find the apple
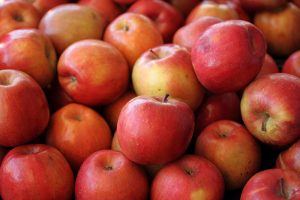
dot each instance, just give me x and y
(76, 126)
(28, 50)
(210, 8)
(270, 109)
(44, 5)
(115, 145)
(280, 28)
(269, 67)
(3, 152)
(132, 34)
(112, 111)
(187, 35)
(17, 15)
(242, 157)
(217, 107)
(184, 6)
(93, 72)
(36, 171)
(69, 23)
(107, 8)
(166, 18)
(228, 55)
(165, 70)
(296, 2)
(23, 107)
(289, 159)
(110, 175)
(148, 126)
(273, 184)
(124, 2)
(292, 64)
(259, 5)
(191, 177)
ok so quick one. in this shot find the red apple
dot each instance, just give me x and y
(184, 6)
(280, 28)
(187, 35)
(273, 184)
(147, 127)
(217, 107)
(296, 2)
(76, 126)
(93, 72)
(29, 51)
(109, 175)
(228, 55)
(269, 67)
(258, 5)
(17, 15)
(239, 161)
(133, 34)
(165, 70)
(23, 107)
(36, 172)
(191, 177)
(166, 18)
(270, 109)
(292, 64)
(70, 23)
(112, 111)
(124, 2)
(289, 159)
(107, 8)
(44, 5)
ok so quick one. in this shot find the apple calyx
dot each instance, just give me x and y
(282, 192)
(264, 122)
(189, 172)
(108, 168)
(165, 99)
(18, 18)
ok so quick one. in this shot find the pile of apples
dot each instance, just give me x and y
(150, 99)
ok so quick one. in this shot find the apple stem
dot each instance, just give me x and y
(281, 185)
(155, 54)
(165, 100)
(264, 123)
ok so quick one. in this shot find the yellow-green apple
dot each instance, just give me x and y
(93, 72)
(259, 5)
(24, 108)
(292, 64)
(184, 6)
(166, 18)
(220, 70)
(140, 121)
(107, 8)
(36, 171)
(44, 5)
(110, 175)
(69, 23)
(191, 177)
(132, 34)
(210, 8)
(17, 15)
(272, 184)
(28, 50)
(217, 107)
(187, 35)
(289, 159)
(270, 108)
(280, 28)
(269, 67)
(165, 70)
(78, 131)
(112, 111)
(232, 149)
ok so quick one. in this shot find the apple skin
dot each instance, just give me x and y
(273, 184)
(292, 64)
(217, 107)
(210, 8)
(17, 15)
(272, 114)
(165, 70)
(44, 5)
(69, 23)
(242, 157)
(36, 171)
(296, 2)
(124, 2)
(280, 28)
(184, 6)
(106, 8)
(191, 177)
(269, 67)
(96, 81)
(187, 35)
(112, 111)
(24, 108)
(220, 70)
(133, 34)
(259, 5)
(28, 50)
(76, 126)
(289, 159)
(166, 18)
(143, 117)
(109, 175)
